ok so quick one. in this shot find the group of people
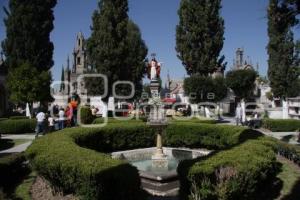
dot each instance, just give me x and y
(61, 118)
(252, 122)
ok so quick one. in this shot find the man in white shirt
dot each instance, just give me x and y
(40, 117)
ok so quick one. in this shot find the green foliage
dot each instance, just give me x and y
(86, 116)
(116, 48)
(199, 35)
(284, 59)
(237, 173)
(28, 49)
(87, 173)
(242, 82)
(2, 119)
(27, 84)
(289, 151)
(67, 158)
(18, 117)
(281, 125)
(20, 126)
(208, 136)
(203, 89)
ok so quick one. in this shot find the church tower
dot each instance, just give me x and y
(239, 58)
(79, 55)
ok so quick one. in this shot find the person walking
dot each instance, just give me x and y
(238, 114)
(40, 117)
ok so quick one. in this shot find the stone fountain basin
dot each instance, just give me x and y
(159, 182)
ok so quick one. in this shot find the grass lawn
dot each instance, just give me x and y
(23, 190)
(290, 175)
(8, 143)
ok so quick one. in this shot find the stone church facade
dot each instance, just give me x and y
(70, 73)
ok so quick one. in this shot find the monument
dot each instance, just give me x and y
(157, 117)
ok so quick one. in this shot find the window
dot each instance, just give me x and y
(78, 61)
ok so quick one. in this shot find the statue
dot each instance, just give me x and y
(154, 69)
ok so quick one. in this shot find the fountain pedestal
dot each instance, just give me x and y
(159, 159)
(158, 121)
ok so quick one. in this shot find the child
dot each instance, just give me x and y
(50, 123)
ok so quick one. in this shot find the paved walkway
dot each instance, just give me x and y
(291, 136)
(21, 147)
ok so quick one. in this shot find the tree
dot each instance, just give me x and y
(28, 26)
(205, 89)
(115, 47)
(24, 85)
(199, 35)
(283, 71)
(62, 79)
(242, 82)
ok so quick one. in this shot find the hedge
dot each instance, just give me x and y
(208, 136)
(18, 117)
(144, 119)
(238, 173)
(281, 125)
(89, 174)
(291, 152)
(2, 119)
(17, 126)
(68, 160)
(114, 120)
(86, 116)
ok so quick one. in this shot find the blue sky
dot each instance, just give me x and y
(245, 23)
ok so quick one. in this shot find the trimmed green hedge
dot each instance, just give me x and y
(18, 117)
(113, 120)
(237, 173)
(278, 125)
(86, 116)
(87, 173)
(2, 119)
(17, 126)
(74, 162)
(289, 151)
(206, 136)
(144, 119)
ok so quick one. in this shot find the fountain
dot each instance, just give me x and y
(158, 121)
(157, 166)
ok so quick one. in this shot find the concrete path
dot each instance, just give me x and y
(21, 147)
(23, 136)
(17, 149)
(281, 135)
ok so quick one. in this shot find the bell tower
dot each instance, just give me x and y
(79, 55)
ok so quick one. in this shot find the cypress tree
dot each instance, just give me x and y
(62, 79)
(199, 35)
(115, 47)
(283, 60)
(28, 26)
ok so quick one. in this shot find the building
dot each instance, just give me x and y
(70, 74)
(79, 67)
(294, 108)
(239, 63)
(3, 92)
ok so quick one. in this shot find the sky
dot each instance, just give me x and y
(245, 27)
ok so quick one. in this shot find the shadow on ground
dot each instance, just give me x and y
(294, 194)
(287, 138)
(6, 144)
